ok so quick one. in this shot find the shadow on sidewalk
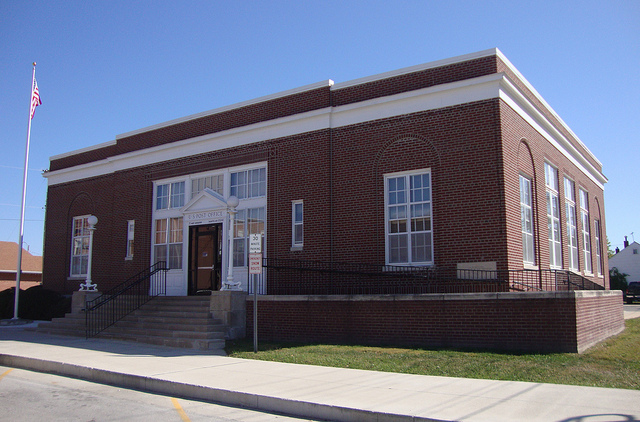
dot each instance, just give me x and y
(23, 334)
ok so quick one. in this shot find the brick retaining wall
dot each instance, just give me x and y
(527, 322)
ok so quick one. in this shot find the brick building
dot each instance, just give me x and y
(457, 163)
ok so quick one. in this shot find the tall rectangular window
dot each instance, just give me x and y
(409, 233)
(249, 183)
(553, 216)
(79, 246)
(598, 240)
(170, 195)
(572, 226)
(586, 233)
(130, 234)
(297, 224)
(526, 218)
(167, 245)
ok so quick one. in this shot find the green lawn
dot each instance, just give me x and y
(614, 363)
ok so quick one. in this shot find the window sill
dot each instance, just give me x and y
(296, 248)
(128, 258)
(530, 266)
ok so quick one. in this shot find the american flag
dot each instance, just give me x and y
(35, 98)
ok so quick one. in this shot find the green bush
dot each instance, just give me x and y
(618, 280)
(36, 303)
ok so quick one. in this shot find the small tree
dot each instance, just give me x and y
(618, 280)
(610, 251)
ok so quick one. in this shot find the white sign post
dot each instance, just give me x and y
(255, 268)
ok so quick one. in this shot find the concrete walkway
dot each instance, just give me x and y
(313, 392)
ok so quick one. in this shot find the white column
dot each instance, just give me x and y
(229, 284)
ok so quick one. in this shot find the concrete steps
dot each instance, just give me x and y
(166, 321)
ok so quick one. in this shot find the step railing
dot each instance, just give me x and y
(114, 304)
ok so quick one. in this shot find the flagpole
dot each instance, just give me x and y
(24, 196)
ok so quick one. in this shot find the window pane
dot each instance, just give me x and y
(176, 230)
(420, 189)
(177, 195)
(421, 247)
(298, 213)
(298, 235)
(239, 226)
(256, 220)
(160, 253)
(162, 197)
(398, 250)
(161, 232)
(238, 252)
(175, 256)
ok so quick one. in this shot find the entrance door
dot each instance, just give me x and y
(205, 258)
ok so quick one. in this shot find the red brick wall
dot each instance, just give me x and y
(115, 199)
(526, 151)
(593, 322)
(254, 113)
(529, 322)
(416, 80)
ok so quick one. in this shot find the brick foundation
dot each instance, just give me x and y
(517, 322)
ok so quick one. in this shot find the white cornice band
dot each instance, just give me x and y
(439, 96)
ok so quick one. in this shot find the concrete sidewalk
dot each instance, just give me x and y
(314, 392)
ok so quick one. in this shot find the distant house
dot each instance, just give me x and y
(627, 261)
(31, 267)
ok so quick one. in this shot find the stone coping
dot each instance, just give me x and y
(441, 296)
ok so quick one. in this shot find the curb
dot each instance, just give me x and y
(279, 405)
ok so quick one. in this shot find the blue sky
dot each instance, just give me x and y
(109, 67)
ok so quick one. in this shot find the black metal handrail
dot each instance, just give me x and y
(118, 302)
(298, 277)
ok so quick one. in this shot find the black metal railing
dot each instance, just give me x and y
(113, 305)
(296, 277)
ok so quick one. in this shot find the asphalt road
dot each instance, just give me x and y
(33, 396)
(632, 311)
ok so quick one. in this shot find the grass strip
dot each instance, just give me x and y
(614, 363)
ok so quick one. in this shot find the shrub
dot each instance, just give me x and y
(36, 303)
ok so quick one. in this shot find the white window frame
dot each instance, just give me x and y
(553, 216)
(131, 224)
(409, 214)
(527, 221)
(297, 224)
(586, 231)
(572, 225)
(79, 247)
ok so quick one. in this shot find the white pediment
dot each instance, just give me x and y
(206, 207)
